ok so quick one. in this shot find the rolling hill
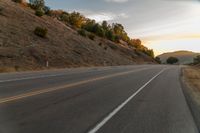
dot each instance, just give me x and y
(185, 57)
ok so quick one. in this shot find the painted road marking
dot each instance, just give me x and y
(42, 76)
(46, 76)
(34, 93)
(33, 77)
(116, 110)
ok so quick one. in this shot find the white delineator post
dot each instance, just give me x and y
(47, 63)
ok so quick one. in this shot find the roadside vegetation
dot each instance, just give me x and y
(41, 32)
(114, 32)
(197, 60)
(172, 60)
(191, 78)
(158, 60)
(62, 39)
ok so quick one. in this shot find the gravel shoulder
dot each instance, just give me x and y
(191, 87)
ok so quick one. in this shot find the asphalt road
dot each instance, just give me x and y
(126, 99)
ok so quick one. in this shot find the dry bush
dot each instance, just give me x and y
(91, 36)
(41, 32)
(82, 32)
(39, 13)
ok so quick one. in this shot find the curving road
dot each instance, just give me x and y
(125, 99)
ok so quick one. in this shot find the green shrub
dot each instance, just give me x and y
(91, 36)
(112, 46)
(17, 1)
(82, 32)
(41, 32)
(39, 13)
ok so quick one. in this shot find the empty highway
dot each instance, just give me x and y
(124, 99)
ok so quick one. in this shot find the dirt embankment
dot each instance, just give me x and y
(191, 88)
(21, 49)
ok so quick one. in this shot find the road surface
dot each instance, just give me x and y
(126, 99)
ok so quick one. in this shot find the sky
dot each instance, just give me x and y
(163, 25)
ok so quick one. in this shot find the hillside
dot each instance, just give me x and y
(21, 49)
(185, 57)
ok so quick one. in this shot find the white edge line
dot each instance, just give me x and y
(116, 110)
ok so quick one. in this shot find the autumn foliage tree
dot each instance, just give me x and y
(137, 43)
(76, 19)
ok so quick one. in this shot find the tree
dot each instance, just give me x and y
(64, 16)
(172, 60)
(110, 35)
(157, 59)
(105, 25)
(98, 30)
(37, 4)
(89, 25)
(197, 59)
(149, 52)
(118, 29)
(76, 19)
(47, 10)
(137, 43)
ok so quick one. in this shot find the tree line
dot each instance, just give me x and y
(114, 32)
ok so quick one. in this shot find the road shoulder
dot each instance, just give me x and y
(190, 78)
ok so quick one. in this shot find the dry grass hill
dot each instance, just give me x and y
(21, 49)
(185, 57)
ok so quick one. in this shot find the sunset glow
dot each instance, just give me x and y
(164, 25)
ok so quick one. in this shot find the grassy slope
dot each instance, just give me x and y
(185, 57)
(22, 50)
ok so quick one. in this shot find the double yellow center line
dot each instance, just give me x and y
(34, 93)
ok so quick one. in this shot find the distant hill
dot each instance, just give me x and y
(185, 57)
(21, 49)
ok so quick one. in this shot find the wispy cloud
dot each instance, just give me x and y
(101, 16)
(172, 37)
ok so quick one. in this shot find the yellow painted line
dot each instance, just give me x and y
(34, 93)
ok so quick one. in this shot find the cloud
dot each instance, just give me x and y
(99, 17)
(117, 1)
(108, 16)
(172, 37)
